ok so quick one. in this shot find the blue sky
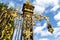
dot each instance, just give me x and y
(50, 8)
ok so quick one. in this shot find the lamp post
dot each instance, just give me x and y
(28, 21)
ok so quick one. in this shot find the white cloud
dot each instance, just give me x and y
(40, 5)
(43, 39)
(39, 29)
(55, 8)
(39, 9)
(56, 33)
(57, 16)
(58, 24)
(57, 38)
(11, 4)
(44, 33)
(45, 2)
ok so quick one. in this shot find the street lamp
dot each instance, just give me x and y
(28, 21)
